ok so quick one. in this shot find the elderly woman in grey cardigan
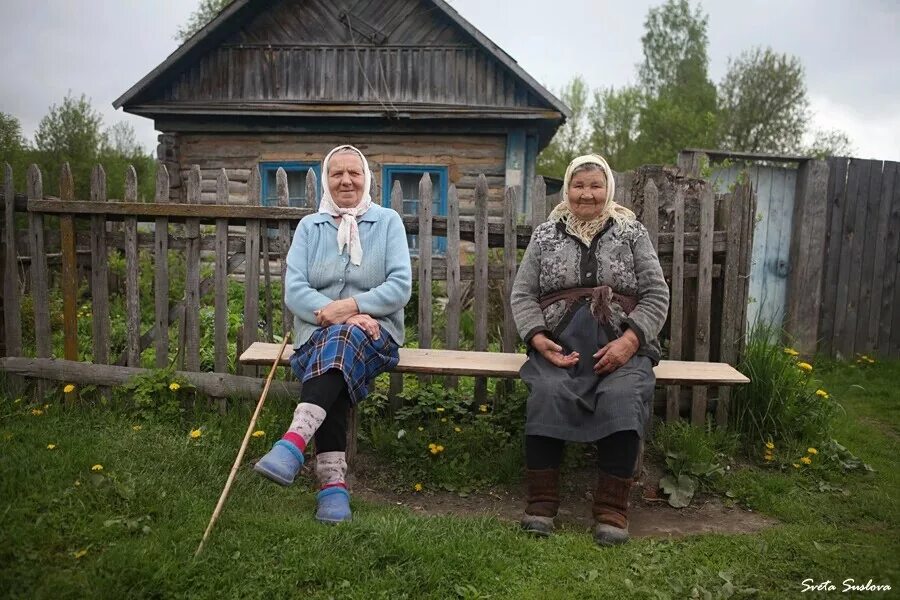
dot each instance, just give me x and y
(589, 300)
(348, 279)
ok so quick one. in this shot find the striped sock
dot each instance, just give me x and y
(331, 469)
(307, 419)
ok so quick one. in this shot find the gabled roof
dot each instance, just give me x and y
(240, 11)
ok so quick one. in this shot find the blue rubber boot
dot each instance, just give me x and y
(333, 505)
(282, 463)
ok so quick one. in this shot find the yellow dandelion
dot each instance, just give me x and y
(434, 450)
(51, 446)
(769, 458)
(37, 412)
(805, 367)
(97, 468)
(136, 427)
(440, 409)
(483, 407)
(822, 393)
(259, 433)
(69, 388)
(195, 433)
(457, 430)
(174, 386)
(770, 445)
(806, 460)
(791, 352)
(795, 465)
(79, 553)
(439, 448)
(444, 420)
(812, 450)
(46, 407)
(418, 487)
(77, 483)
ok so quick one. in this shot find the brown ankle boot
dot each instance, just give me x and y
(611, 509)
(543, 500)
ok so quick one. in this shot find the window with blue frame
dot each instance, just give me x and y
(409, 177)
(296, 176)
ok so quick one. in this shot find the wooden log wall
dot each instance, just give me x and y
(701, 258)
(466, 158)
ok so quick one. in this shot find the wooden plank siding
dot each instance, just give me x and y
(859, 304)
(304, 52)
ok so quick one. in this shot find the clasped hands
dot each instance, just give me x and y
(609, 358)
(346, 311)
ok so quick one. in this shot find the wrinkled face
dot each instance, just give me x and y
(346, 178)
(587, 194)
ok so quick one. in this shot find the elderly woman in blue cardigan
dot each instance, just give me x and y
(348, 279)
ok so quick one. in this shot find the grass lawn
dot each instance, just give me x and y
(130, 530)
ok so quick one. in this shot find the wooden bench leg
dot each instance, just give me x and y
(352, 430)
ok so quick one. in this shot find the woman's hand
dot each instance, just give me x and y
(616, 353)
(552, 351)
(367, 324)
(336, 312)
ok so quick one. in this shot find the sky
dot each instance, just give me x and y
(849, 49)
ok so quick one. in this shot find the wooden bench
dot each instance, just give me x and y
(506, 365)
(502, 364)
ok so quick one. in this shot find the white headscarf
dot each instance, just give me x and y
(348, 231)
(586, 230)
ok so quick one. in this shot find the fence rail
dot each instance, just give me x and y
(703, 241)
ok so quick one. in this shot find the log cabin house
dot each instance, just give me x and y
(277, 83)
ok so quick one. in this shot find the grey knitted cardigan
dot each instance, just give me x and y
(620, 256)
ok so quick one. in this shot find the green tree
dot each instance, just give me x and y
(205, 12)
(13, 149)
(828, 142)
(673, 36)
(70, 132)
(614, 119)
(571, 139)
(763, 103)
(679, 109)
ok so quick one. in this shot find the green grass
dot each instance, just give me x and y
(267, 545)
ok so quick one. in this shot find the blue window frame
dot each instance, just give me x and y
(409, 177)
(296, 174)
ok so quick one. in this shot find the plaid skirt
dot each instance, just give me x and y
(350, 350)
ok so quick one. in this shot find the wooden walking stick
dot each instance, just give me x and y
(240, 456)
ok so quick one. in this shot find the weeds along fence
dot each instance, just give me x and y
(79, 276)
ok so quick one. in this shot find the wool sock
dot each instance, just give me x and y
(307, 419)
(331, 469)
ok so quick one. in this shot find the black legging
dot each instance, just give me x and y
(617, 452)
(329, 391)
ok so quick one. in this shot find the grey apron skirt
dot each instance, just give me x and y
(577, 405)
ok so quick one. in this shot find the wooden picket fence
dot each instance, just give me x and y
(706, 267)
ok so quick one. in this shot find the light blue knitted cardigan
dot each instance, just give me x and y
(318, 274)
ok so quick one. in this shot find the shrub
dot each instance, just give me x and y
(782, 402)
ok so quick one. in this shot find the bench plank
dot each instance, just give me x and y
(501, 364)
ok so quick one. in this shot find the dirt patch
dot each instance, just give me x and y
(650, 515)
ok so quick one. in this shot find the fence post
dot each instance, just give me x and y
(676, 320)
(704, 293)
(161, 270)
(99, 271)
(221, 279)
(425, 210)
(69, 273)
(481, 278)
(396, 379)
(12, 319)
(192, 277)
(454, 293)
(132, 286)
(251, 270)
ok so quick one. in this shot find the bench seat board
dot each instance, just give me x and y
(499, 364)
